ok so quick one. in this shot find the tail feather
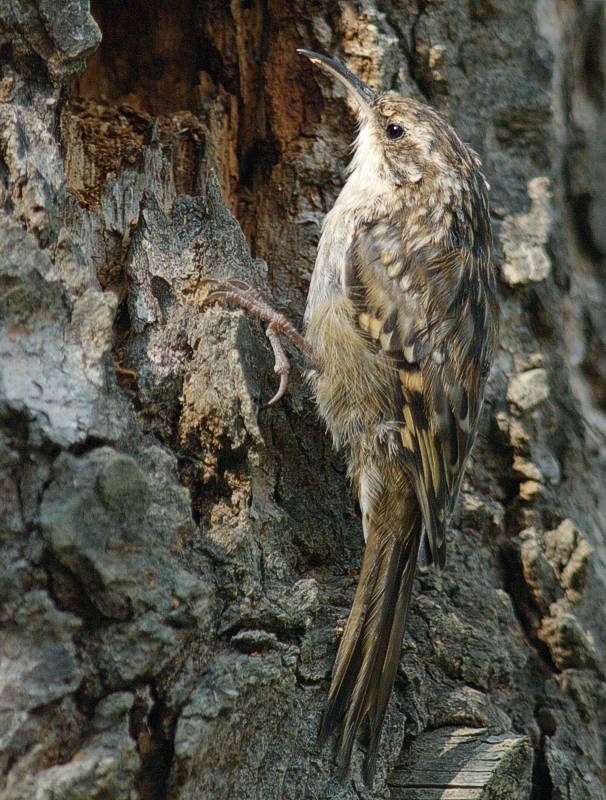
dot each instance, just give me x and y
(369, 653)
(385, 682)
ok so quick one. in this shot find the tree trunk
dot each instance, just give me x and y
(177, 558)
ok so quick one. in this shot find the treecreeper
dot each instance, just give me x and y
(401, 324)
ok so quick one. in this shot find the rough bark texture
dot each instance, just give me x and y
(177, 559)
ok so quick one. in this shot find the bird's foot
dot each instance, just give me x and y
(241, 294)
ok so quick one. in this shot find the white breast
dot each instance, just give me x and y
(359, 200)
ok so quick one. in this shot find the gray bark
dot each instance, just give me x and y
(177, 559)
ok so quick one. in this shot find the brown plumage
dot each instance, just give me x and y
(402, 321)
(401, 325)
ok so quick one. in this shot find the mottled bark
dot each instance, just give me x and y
(177, 559)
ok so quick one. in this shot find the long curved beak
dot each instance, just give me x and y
(362, 93)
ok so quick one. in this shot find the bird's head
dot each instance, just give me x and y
(400, 139)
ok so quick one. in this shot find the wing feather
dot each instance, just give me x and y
(415, 311)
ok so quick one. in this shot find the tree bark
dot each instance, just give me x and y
(178, 559)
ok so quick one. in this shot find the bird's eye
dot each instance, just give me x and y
(394, 131)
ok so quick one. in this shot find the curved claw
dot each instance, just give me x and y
(245, 287)
(281, 388)
(236, 291)
(282, 365)
(232, 283)
(223, 291)
(216, 294)
(210, 299)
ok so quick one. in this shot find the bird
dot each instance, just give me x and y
(401, 326)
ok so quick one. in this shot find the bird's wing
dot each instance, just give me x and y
(422, 310)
